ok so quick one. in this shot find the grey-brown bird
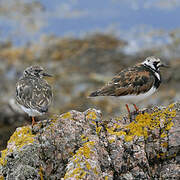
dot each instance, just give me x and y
(134, 83)
(33, 93)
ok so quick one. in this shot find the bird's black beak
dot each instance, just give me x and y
(164, 65)
(46, 74)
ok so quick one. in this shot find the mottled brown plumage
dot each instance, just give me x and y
(138, 81)
(33, 93)
(134, 80)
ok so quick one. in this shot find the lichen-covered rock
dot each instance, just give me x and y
(83, 145)
(79, 66)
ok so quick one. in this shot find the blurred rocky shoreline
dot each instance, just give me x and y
(78, 66)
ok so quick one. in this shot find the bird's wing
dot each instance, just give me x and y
(34, 94)
(23, 92)
(133, 80)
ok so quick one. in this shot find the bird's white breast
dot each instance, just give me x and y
(31, 112)
(157, 75)
(140, 96)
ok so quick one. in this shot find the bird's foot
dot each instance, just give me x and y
(127, 107)
(33, 121)
(136, 108)
(133, 114)
(129, 112)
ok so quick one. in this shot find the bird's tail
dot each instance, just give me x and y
(44, 109)
(94, 94)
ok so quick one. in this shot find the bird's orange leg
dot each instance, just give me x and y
(33, 121)
(136, 108)
(127, 107)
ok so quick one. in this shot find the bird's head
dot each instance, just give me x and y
(153, 63)
(36, 71)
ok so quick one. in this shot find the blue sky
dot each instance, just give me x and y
(102, 14)
(125, 18)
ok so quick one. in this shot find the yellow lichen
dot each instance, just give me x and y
(91, 115)
(117, 126)
(106, 178)
(98, 129)
(3, 155)
(111, 140)
(117, 133)
(88, 165)
(82, 175)
(41, 173)
(22, 136)
(71, 153)
(95, 171)
(80, 161)
(84, 138)
(67, 115)
(78, 173)
(75, 171)
(93, 122)
(159, 119)
(146, 121)
(161, 155)
(169, 125)
(164, 144)
(128, 138)
(86, 150)
(163, 135)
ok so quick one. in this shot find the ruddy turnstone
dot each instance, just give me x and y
(134, 83)
(33, 93)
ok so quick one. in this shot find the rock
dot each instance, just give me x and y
(83, 145)
(79, 66)
(10, 119)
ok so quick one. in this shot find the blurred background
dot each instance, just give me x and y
(83, 44)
